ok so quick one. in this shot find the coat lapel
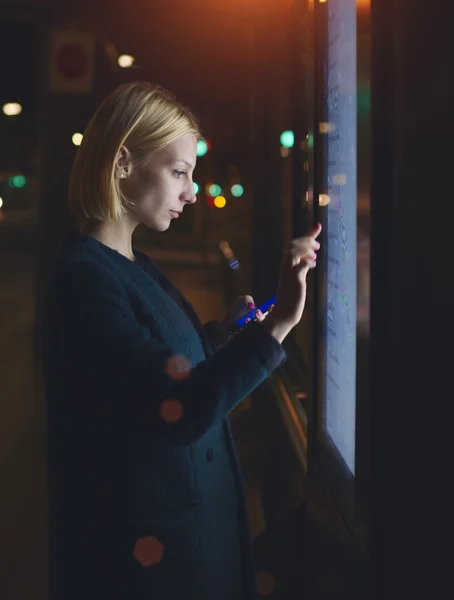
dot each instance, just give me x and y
(179, 298)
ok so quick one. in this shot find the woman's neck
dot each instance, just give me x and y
(114, 234)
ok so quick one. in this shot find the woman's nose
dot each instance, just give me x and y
(190, 196)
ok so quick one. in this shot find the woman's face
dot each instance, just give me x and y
(163, 187)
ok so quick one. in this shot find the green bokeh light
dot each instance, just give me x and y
(214, 190)
(202, 148)
(17, 181)
(196, 187)
(287, 139)
(237, 190)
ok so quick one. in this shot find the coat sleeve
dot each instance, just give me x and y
(116, 350)
(212, 335)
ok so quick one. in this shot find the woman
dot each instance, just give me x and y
(146, 497)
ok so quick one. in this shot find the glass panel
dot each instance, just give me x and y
(340, 200)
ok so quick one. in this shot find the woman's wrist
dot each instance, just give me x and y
(276, 328)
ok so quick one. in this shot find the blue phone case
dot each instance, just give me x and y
(251, 315)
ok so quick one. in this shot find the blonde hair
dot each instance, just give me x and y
(141, 116)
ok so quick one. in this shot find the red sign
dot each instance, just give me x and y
(71, 68)
(72, 61)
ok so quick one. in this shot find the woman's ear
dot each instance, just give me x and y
(124, 162)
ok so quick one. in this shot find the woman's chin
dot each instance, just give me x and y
(159, 226)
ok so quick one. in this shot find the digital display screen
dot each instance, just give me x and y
(340, 134)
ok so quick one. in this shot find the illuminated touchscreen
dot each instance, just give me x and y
(341, 227)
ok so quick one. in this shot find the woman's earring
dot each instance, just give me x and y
(122, 173)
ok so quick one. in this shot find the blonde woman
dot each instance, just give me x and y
(146, 495)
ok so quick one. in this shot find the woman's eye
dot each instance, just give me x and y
(179, 173)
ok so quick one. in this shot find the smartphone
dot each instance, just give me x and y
(251, 315)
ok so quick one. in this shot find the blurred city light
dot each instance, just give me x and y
(77, 139)
(1, 202)
(196, 187)
(12, 109)
(324, 199)
(237, 190)
(125, 61)
(220, 202)
(17, 181)
(202, 148)
(214, 190)
(287, 139)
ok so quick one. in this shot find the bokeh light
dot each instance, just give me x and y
(287, 139)
(202, 148)
(12, 109)
(17, 181)
(324, 200)
(220, 202)
(214, 190)
(125, 61)
(148, 551)
(171, 411)
(1, 202)
(196, 187)
(237, 190)
(77, 139)
(178, 367)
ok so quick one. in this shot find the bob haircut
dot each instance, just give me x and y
(140, 116)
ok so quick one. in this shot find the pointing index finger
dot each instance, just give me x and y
(316, 231)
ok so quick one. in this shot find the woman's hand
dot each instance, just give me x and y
(291, 295)
(240, 307)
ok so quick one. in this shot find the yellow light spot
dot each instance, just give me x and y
(12, 109)
(324, 199)
(220, 202)
(125, 61)
(178, 367)
(77, 139)
(265, 583)
(148, 551)
(172, 411)
(1, 202)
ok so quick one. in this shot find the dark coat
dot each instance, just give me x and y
(144, 503)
